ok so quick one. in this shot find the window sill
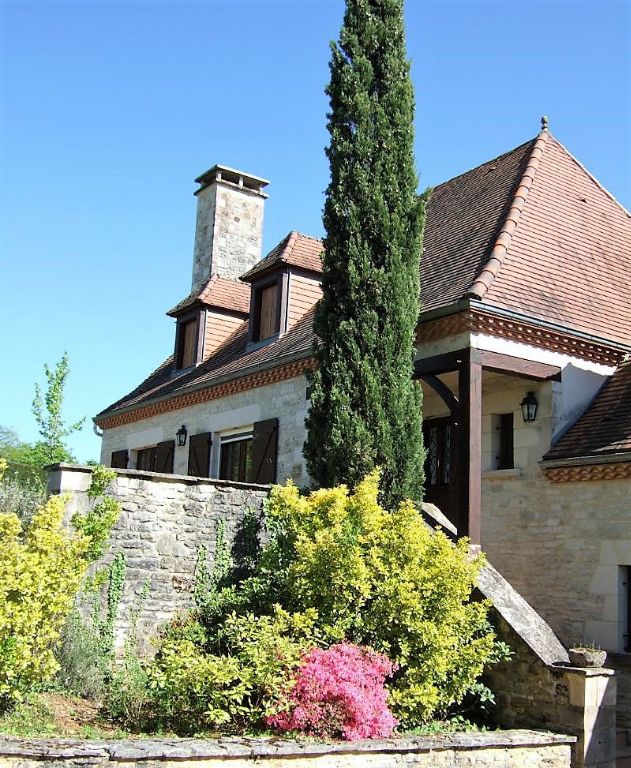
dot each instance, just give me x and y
(181, 371)
(501, 474)
(252, 345)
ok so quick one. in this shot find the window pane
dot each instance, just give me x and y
(445, 469)
(236, 461)
(431, 469)
(146, 459)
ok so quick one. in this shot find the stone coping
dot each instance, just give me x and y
(584, 671)
(160, 477)
(233, 747)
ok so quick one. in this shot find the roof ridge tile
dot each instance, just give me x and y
(493, 265)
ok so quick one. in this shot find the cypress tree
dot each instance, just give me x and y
(365, 408)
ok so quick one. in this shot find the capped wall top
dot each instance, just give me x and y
(231, 176)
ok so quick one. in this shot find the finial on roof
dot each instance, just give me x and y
(544, 123)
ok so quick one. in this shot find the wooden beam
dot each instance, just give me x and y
(516, 366)
(443, 391)
(450, 361)
(470, 448)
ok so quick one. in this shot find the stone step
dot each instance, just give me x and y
(623, 762)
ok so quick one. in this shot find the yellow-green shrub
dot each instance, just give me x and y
(41, 568)
(235, 677)
(383, 579)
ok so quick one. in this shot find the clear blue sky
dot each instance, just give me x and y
(109, 110)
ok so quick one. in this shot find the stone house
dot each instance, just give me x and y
(523, 345)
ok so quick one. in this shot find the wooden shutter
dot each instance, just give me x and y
(199, 455)
(164, 457)
(264, 451)
(267, 326)
(506, 460)
(119, 459)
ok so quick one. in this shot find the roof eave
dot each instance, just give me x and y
(247, 371)
(589, 460)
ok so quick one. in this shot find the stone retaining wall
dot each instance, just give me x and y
(499, 749)
(164, 520)
(558, 697)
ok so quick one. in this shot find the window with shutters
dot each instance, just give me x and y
(236, 457)
(266, 312)
(187, 343)
(156, 458)
(249, 454)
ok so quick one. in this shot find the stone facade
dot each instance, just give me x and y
(508, 749)
(537, 687)
(285, 400)
(164, 520)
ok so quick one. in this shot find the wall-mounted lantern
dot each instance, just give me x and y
(181, 436)
(529, 407)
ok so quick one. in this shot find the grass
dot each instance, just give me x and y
(44, 715)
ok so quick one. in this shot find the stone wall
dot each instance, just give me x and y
(558, 698)
(561, 545)
(537, 687)
(285, 400)
(164, 520)
(509, 749)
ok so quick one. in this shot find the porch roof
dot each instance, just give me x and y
(604, 429)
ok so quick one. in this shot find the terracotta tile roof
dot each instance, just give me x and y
(569, 258)
(296, 250)
(231, 360)
(218, 292)
(464, 218)
(530, 231)
(605, 427)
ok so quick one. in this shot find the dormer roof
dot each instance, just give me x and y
(296, 250)
(218, 293)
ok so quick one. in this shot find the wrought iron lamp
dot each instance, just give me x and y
(181, 435)
(529, 407)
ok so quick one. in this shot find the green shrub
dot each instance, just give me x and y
(384, 580)
(128, 695)
(42, 565)
(21, 497)
(235, 677)
(337, 567)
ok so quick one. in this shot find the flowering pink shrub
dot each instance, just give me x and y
(339, 692)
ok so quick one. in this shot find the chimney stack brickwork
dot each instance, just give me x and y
(229, 227)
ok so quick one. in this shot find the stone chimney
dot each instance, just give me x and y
(229, 228)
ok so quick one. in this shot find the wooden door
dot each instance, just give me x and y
(440, 481)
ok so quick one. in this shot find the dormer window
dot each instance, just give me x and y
(266, 320)
(187, 346)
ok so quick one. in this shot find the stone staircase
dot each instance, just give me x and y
(623, 748)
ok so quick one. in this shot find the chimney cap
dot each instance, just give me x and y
(233, 177)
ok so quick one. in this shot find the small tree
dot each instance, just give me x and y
(365, 409)
(47, 410)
